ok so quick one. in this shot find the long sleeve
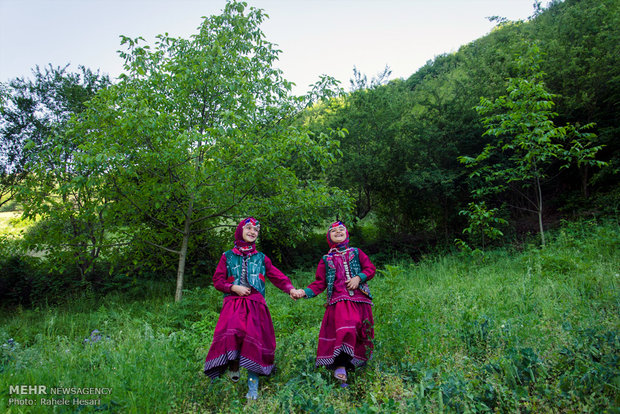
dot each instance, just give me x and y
(276, 277)
(368, 269)
(220, 277)
(320, 282)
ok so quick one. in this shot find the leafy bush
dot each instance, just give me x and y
(588, 369)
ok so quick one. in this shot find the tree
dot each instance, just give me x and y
(40, 167)
(431, 134)
(482, 226)
(71, 204)
(32, 111)
(528, 142)
(367, 114)
(582, 46)
(199, 132)
(39, 163)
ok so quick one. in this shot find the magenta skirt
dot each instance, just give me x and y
(348, 328)
(245, 332)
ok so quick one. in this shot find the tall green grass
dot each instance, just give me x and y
(512, 331)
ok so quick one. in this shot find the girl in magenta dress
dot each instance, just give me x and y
(347, 333)
(244, 334)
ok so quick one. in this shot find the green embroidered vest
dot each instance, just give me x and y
(352, 266)
(255, 273)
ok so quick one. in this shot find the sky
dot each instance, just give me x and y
(315, 36)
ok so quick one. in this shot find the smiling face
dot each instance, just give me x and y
(338, 234)
(250, 232)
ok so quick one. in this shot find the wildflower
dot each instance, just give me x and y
(10, 344)
(95, 336)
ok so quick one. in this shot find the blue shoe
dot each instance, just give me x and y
(341, 374)
(252, 386)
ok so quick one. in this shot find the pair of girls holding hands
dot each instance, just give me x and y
(244, 334)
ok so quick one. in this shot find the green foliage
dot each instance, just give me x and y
(199, 132)
(400, 157)
(522, 122)
(42, 161)
(366, 114)
(526, 136)
(177, 149)
(33, 113)
(482, 222)
(118, 182)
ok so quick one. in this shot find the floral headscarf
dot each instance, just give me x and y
(242, 246)
(343, 244)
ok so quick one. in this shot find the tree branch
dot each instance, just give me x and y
(155, 219)
(225, 210)
(161, 247)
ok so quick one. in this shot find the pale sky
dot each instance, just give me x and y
(316, 36)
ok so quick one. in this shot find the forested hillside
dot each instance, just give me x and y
(129, 181)
(405, 136)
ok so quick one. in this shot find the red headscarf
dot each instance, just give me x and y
(343, 244)
(241, 246)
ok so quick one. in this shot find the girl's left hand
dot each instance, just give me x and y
(353, 283)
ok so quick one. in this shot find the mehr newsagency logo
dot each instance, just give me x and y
(30, 395)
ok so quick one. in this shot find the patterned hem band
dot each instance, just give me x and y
(216, 366)
(330, 361)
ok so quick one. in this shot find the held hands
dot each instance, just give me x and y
(297, 294)
(244, 291)
(240, 290)
(354, 282)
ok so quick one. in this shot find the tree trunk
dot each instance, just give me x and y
(540, 226)
(540, 211)
(186, 231)
(584, 181)
(183, 253)
(446, 231)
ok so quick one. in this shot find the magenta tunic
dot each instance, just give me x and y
(347, 326)
(244, 330)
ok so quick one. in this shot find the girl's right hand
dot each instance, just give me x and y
(240, 290)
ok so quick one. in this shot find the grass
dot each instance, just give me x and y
(530, 331)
